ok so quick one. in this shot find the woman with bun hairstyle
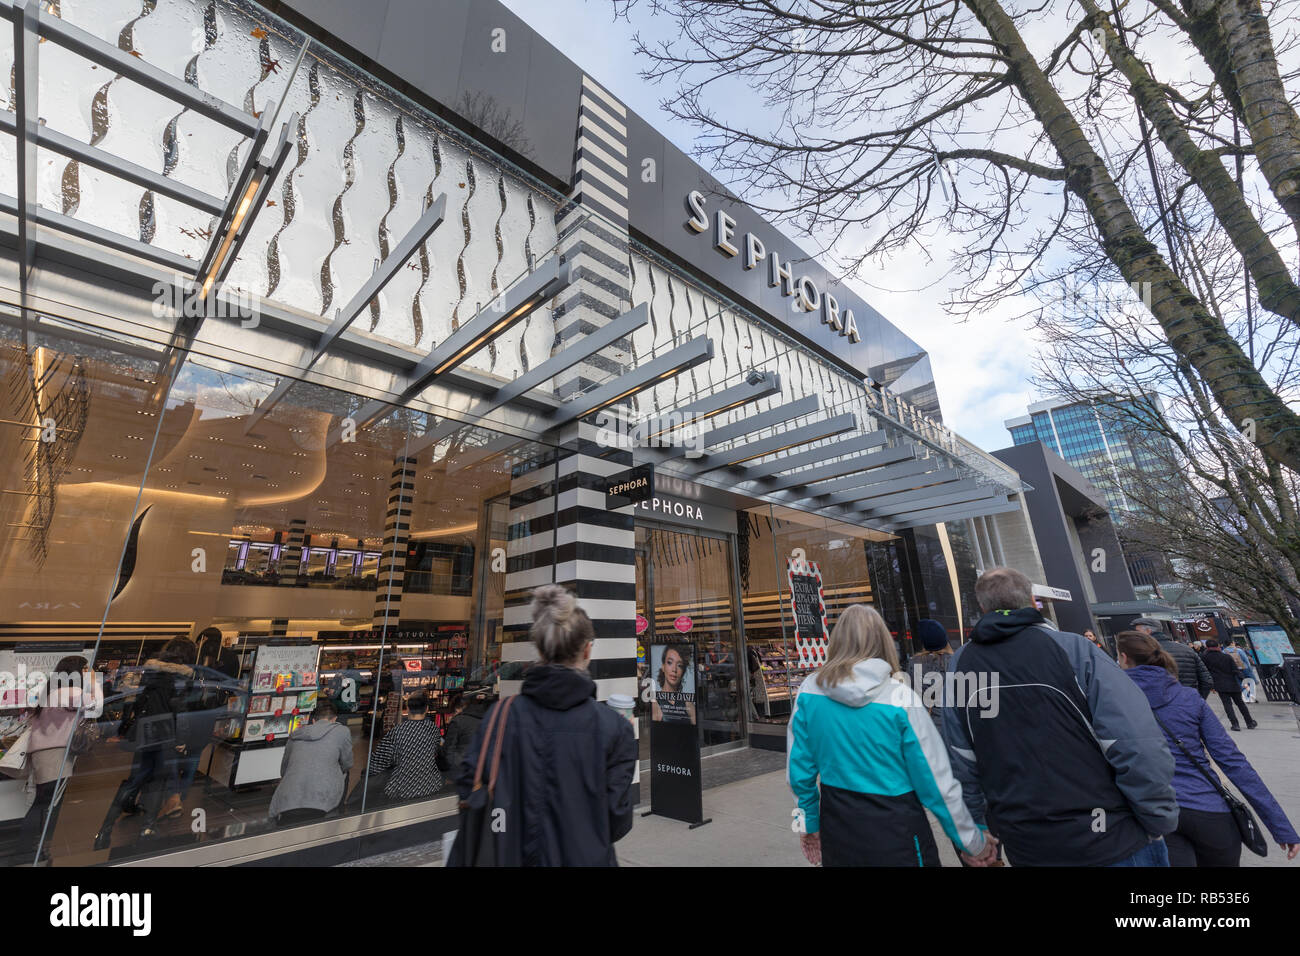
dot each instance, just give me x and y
(564, 779)
(1206, 834)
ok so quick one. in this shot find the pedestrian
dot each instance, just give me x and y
(470, 709)
(1207, 834)
(150, 728)
(865, 761)
(314, 768)
(1052, 744)
(215, 655)
(53, 722)
(409, 754)
(1227, 683)
(1191, 669)
(1236, 649)
(564, 779)
(929, 667)
(1100, 645)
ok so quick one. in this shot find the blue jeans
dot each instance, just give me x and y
(1154, 853)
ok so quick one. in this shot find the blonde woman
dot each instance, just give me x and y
(880, 761)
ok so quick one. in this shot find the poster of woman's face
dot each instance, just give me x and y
(673, 670)
(672, 666)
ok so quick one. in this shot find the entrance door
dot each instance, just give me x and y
(686, 592)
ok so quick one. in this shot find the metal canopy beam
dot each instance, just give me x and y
(911, 490)
(849, 446)
(816, 431)
(588, 345)
(768, 419)
(860, 463)
(917, 480)
(102, 237)
(344, 317)
(952, 514)
(934, 496)
(671, 363)
(146, 74)
(827, 488)
(511, 306)
(947, 512)
(26, 18)
(762, 385)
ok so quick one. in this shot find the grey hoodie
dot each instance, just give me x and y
(314, 769)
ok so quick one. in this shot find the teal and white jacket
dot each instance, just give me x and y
(872, 735)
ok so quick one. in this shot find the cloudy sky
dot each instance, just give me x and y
(982, 366)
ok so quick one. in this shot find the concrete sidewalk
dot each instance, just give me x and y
(752, 818)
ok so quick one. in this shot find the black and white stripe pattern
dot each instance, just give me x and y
(397, 530)
(290, 565)
(593, 234)
(561, 532)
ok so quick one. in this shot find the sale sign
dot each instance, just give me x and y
(683, 624)
(641, 624)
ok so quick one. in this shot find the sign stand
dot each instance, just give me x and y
(676, 789)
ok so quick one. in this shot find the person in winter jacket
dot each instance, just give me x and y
(1227, 683)
(314, 768)
(865, 761)
(1048, 737)
(462, 727)
(1191, 669)
(1237, 651)
(1207, 835)
(149, 726)
(564, 780)
(63, 706)
(928, 668)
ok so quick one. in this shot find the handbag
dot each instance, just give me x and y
(14, 761)
(87, 735)
(1252, 837)
(475, 838)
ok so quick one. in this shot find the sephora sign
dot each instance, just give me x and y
(749, 249)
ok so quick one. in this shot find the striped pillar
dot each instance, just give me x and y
(592, 228)
(391, 576)
(290, 565)
(560, 532)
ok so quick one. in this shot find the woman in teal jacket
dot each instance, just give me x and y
(880, 761)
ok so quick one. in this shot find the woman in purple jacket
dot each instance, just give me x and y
(1206, 834)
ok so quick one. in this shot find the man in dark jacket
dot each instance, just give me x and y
(1191, 669)
(464, 725)
(1227, 683)
(1052, 743)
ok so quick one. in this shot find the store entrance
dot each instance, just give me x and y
(685, 594)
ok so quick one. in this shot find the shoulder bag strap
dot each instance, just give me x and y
(482, 752)
(501, 736)
(1212, 778)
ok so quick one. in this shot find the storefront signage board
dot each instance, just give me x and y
(630, 487)
(675, 786)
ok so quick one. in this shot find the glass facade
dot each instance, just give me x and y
(1102, 442)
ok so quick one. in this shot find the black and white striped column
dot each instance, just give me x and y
(593, 235)
(290, 566)
(391, 577)
(560, 532)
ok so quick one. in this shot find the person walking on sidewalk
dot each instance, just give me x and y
(1207, 834)
(1191, 669)
(1052, 743)
(564, 781)
(865, 760)
(1227, 683)
(929, 667)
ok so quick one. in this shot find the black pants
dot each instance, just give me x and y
(1204, 839)
(300, 815)
(1228, 701)
(29, 834)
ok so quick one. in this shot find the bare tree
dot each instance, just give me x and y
(1065, 139)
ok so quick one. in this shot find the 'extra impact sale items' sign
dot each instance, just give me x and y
(808, 604)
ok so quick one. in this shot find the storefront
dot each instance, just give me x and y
(325, 351)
